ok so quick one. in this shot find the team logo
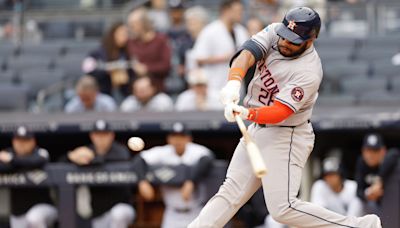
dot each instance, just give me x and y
(291, 25)
(297, 94)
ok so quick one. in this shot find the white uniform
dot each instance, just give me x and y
(345, 202)
(178, 213)
(285, 146)
(187, 101)
(215, 41)
(161, 102)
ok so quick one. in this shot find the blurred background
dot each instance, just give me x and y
(141, 66)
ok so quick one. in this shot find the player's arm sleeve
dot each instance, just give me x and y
(389, 164)
(300, 89)
(201, 168)
(36, 160)
(5, 167)
(258, 45)
(140, 167)
(360, 175)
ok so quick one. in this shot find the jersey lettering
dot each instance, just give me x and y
(269, 89)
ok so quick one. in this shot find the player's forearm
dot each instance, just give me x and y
(241, 65)
(270, 114)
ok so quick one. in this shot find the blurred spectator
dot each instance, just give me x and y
(182, 203)
(373, 167)
(254, 25)
(197, 97)
(31, 207)
(145, 97)
(180, 38)
(108, 64)
(158, 14)
(218, 42)
(335, 192)
(195, 19)
(148, 49)
(88, 98)
(110, 205)
(267, 10)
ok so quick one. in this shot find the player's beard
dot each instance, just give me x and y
(300, 51)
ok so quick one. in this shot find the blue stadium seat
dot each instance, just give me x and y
(19, 95)
(39, 79)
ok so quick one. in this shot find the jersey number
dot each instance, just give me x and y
(267, 97)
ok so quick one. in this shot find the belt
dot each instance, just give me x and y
(182, 210)
(265, 125)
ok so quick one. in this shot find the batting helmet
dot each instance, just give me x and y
(299, 25)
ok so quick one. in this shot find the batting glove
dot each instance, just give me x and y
(231, 92)
(233, 109)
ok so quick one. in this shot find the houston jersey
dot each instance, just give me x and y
(292, 81)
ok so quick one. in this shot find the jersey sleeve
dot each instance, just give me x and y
(152, 156)
(300, 89)
(258, 44)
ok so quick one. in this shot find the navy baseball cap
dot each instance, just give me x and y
(179, 128)
(23, 132)
(373, 141)
(299, 24)
(101, 126)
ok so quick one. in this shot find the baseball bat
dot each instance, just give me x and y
(256, 160)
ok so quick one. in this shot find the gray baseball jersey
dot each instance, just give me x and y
(292, 81)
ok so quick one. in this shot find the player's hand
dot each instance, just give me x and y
(233, 109)
(187, 190)
(5, 156)
(374, 192)
(146, 190)
(81, 155)
(231, 92)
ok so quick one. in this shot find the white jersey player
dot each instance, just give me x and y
(181, 204)
(334, 192)
(280, 100)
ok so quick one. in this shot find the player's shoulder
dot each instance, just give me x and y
(200, 149)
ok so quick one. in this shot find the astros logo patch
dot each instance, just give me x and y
(291, 25)
(297, 94)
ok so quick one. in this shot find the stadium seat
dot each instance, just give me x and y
(336, 100)
(71, 64)
(364, 86)
(25, 62)
(48, 49)
(379, 98)
(39, 79)
(19, 95)
(8, 76)
(385, 68)
(339, 69)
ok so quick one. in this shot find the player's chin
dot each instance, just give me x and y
(285, 51)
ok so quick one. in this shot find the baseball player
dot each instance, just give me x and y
(182, 204)
(279, 101)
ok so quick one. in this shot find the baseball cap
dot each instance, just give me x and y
(23, 132)
(373, 141)
(298, 24)
(101, 125)
(330, 165)
(176, 4)
(179, 128)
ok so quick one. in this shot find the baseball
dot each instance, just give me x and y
(135, 143)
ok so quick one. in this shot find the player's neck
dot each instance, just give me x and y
(228, 23)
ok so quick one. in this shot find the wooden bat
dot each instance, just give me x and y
(256, 160)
